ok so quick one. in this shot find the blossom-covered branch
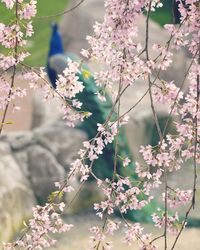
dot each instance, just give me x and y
(114, 45)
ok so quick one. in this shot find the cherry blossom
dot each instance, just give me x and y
(178, 197)
(173, 223)
(114, 45)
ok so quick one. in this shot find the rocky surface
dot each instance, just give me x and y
(44, 170)
(16, 195)
(30, 163)
(76, 25)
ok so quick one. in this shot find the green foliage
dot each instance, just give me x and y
(39, 44)
(163, 15)
(152, 132)
(54, 195)
(143, 215)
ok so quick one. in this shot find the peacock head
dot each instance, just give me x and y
(56, 44)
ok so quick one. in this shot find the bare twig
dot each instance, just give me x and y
(13, 75)
(196, 135)
(156, 120)
(182, 227)
(63, 12)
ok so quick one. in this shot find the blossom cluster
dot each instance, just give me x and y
(13, 37)
(67, 87)
(178, 197)
(113, 45)
(16, 31)
(134, 233)
(93, 148)
(122, 195)
(173, 223)
(98, 238)
(189, 10)
(45, 222)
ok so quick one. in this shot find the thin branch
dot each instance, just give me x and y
(117, 136)
(182, 227)
(8, 98)
(156, 119)
(176, 97)
(76, 195)
(63, 12)
(138, 102)
(103, 228)
(196, 135)
(158, 237)
(13, 75)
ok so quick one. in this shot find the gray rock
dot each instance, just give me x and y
(77, 24)
(4, 148)
(18, 140)
(39, 114)
(141, 128)
(62, 141)
(16, 196)
(44, 171)
(44, 113)
(29, 167)
(22, 159)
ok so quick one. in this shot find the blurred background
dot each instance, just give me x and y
(38, 46)
(36, 148)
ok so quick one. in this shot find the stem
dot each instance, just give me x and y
(8, 97)
(182, 227)
(156, 120)
(63, 12)
(117, 136)
(103, 228)
(196, 136)
(13, 75)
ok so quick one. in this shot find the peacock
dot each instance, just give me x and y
(103, 167)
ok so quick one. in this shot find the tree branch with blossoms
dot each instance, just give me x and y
(14, 46)
(113, 45)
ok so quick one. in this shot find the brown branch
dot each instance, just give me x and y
(196, 135)
(182, 227)
(8, 97)
(117, 136)
(13, 75)
(103, 228)
(63, 12)
(156, 120)
(174, 104)
(141, 98)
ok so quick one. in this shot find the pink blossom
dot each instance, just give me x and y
(132, 233)
(126, 161)
(28, 10)
(172, 222)
(9, 3)
(85, 53)
(178, 197)
(29, 29)
(167, 93)
(6, 61)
